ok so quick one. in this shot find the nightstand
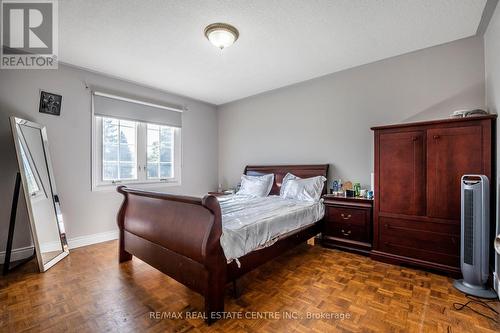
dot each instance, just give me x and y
(221, 193)
(348, 224)
(216, 193)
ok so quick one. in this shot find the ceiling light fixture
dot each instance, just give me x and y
(221, 35)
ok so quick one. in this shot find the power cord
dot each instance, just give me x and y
(476, 300)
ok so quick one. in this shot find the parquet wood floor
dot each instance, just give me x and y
(90, 292)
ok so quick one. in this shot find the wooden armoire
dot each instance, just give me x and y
(418, 167)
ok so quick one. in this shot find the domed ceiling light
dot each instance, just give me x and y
(221, 35)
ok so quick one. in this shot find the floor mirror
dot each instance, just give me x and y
(38, 186)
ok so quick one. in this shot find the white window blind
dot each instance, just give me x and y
(114, 106)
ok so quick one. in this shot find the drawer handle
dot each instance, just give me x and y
(345, 217)
(437, 137)
(345, 233)
(387, 226)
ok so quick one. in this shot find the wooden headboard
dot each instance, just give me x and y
(279, 171)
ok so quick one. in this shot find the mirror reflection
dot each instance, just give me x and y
(41, 197)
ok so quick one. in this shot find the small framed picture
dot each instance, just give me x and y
(50, 103)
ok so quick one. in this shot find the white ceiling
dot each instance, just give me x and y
(160, 43)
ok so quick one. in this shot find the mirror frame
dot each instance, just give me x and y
(15, 121)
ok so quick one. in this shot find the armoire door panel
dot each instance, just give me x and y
(451, 153)
(402, 172)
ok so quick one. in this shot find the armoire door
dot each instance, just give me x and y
(451, 153)
(402, 173)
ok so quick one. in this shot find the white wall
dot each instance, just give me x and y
(328, 119)
(85, 212)
(492, 73)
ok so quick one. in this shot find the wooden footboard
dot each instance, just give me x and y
(179, 236)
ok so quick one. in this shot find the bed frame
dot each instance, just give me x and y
(180, 236)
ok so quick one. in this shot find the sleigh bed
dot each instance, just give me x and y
(180, 236)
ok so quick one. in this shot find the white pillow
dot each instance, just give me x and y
(308, 189)
(288, 176)
(256, 186)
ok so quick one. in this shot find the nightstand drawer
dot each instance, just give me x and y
(348, 231)
(352, 216)
(348, 224)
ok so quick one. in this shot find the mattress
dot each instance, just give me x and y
(250, 223)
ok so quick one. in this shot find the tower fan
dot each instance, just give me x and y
(474, 238)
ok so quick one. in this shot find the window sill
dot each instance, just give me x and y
(137, 185)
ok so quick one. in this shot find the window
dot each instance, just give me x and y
(119, 153)
(133, 152)
(134, 141)
(160, 151)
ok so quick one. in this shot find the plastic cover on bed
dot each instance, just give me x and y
(250, 223)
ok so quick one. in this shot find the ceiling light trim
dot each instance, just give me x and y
(222, 26)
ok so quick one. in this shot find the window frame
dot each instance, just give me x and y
(98, 184)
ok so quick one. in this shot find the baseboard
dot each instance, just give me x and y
(73, 243)
(50, 246)
(18, 254)
(76, 242)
